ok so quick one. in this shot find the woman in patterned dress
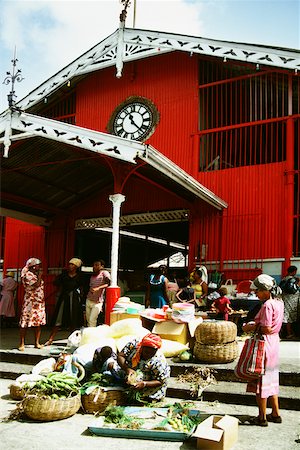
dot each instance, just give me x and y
(269, 321)
(33, 309)
(144, 356)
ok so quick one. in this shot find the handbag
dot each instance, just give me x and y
(229, 286)
(251, 363)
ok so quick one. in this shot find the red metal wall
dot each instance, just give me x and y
(22, 241)
(253, 224)
(170, 81)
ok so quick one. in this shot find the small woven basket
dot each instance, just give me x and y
(100, 398)
(16, 392)
(48, 409)
(218, 353)
(216, 332)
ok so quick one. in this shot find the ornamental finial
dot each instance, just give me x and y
(123, 15)
(12, 77)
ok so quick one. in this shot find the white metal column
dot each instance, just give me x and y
(117, 200)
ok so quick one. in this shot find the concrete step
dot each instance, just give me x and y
(288, 375)
(233, 393)
(14, 370)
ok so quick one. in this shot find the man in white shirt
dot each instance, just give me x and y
(99, 281)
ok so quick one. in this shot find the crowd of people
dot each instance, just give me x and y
(79, 304)
(279, 304)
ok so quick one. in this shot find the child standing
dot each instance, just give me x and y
(222, 305)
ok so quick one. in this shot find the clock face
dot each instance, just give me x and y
(136, 118)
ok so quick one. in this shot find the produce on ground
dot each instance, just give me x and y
(199, 378)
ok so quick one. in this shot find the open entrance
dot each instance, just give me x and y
(164, 238)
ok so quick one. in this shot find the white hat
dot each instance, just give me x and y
(264, 282)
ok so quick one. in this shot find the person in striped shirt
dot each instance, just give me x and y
(99, 281)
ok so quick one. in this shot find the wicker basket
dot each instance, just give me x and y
(218, 353)
(100, 398)
(16, 392)
(48, 409)
(216, 332)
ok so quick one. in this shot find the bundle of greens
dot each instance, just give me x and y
(180, 419)
(97, 380)
(117, 416)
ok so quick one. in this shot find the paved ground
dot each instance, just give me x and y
(72, 433)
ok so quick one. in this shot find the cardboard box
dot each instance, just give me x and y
(217, 433)
(115, 316)
(172, 331)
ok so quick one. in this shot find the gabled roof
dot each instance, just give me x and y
(127, 44)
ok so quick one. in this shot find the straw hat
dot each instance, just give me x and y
(10, 274)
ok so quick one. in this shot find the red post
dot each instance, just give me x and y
(112, 296)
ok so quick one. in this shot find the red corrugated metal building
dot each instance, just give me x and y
(227, 114)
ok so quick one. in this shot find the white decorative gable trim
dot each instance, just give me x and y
(128, 44)
(103, 143)
(127, 150)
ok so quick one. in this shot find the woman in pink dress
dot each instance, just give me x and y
(33, 310)
(7, 307)
(269, 321)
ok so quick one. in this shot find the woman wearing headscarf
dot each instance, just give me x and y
(153, 370)
(7, 307)
(33, 309)
(69, 309)
(268, 322)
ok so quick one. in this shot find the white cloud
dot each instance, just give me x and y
(49, 34)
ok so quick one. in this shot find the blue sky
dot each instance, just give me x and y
(49, 34)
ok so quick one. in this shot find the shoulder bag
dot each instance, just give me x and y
(251, 363)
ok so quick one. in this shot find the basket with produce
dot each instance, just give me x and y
(98, 393)
(18, 389)
(53, 398)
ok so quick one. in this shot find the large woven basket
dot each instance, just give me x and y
(217, 353)
(16, 392)
(100, 398)
(48, 409)
(216, 332)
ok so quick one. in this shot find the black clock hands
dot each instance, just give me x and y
(132, 121)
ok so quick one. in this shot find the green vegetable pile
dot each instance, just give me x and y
(116, 415)
(180, 419)
(56, 385)
(97, 380)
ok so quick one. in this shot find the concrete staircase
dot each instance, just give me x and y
(227, 389)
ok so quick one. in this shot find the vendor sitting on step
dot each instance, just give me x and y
(105, 361)
(147, 370)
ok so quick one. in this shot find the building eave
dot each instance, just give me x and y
(138, 44)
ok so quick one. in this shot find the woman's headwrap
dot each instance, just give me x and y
(76, 261)
(29, 263)
(150, 340)
(266, 283)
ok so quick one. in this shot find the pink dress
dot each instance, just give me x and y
(270, 314)
(33, 309)
(7, 307)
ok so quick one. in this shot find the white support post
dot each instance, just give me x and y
(7, 135)
(117, 200)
